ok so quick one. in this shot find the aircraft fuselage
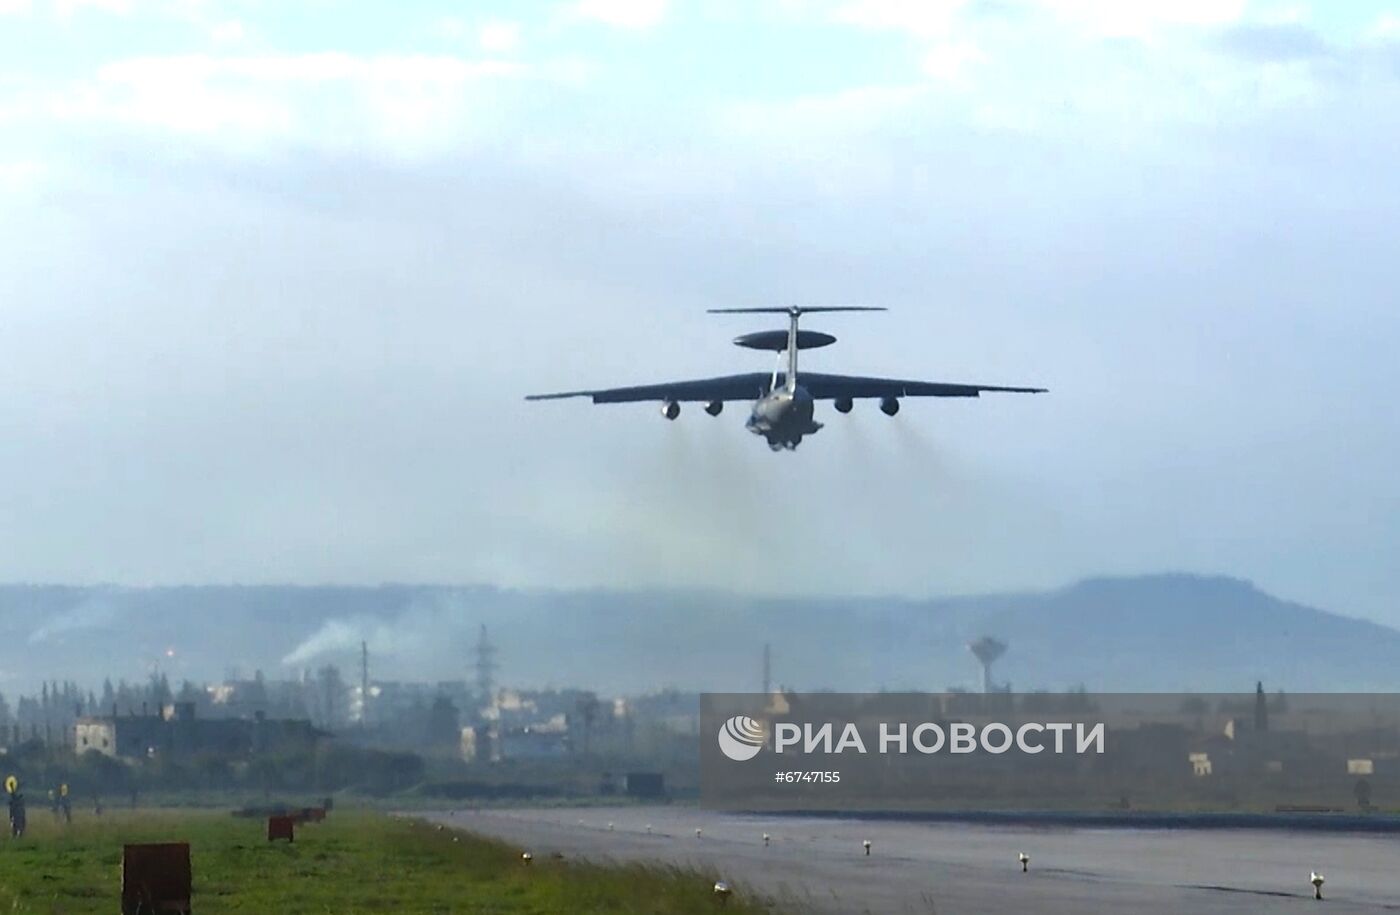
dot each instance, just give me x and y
(783, 416)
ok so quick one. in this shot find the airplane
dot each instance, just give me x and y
(784, 402)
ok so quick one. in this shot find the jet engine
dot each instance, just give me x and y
(843, 404)
(670, 409)
(714, 407)
(889, 406)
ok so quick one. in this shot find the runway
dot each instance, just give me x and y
(818, 865)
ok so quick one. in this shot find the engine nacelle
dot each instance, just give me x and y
(670, 409)
(843, 404)
(889, 406)
(714, 407)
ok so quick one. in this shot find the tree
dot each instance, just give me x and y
(160, 691)
(189, 692)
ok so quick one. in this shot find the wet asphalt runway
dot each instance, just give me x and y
(818, 865)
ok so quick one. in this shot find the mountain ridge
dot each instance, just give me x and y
(1161, 631)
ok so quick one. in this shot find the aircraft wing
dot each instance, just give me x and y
(829, 387)
(728, 387)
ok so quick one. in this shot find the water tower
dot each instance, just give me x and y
(987, 650)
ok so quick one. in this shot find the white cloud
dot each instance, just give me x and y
(14, 7)
(1140, 18)
(302, 68)
(1054, 76)
(850, 110)
(1047, 66)
(64, 9)
(835, 141)
(1386, 26)
(20, 175)
(229, 31)
(1287, 14)
(1136, 18)
(498, 37)
(405, 103)
(637, 15)
(926, 18)
(948, 62)
(452, 27)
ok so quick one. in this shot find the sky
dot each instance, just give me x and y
(276, 277)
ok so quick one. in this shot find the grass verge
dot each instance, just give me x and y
(354, 862)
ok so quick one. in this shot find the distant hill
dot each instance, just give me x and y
(1159, 632)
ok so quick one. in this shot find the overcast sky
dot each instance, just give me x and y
(275, 277)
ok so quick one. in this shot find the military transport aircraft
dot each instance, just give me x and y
(783, 401)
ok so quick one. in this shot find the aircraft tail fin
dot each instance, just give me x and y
(793, 312)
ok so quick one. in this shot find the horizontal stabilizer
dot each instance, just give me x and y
(791, 309)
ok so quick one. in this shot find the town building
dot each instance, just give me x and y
(176, 732)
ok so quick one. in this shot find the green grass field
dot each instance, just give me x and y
(353, 862)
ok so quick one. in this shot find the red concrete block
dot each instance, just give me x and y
(156, 879)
